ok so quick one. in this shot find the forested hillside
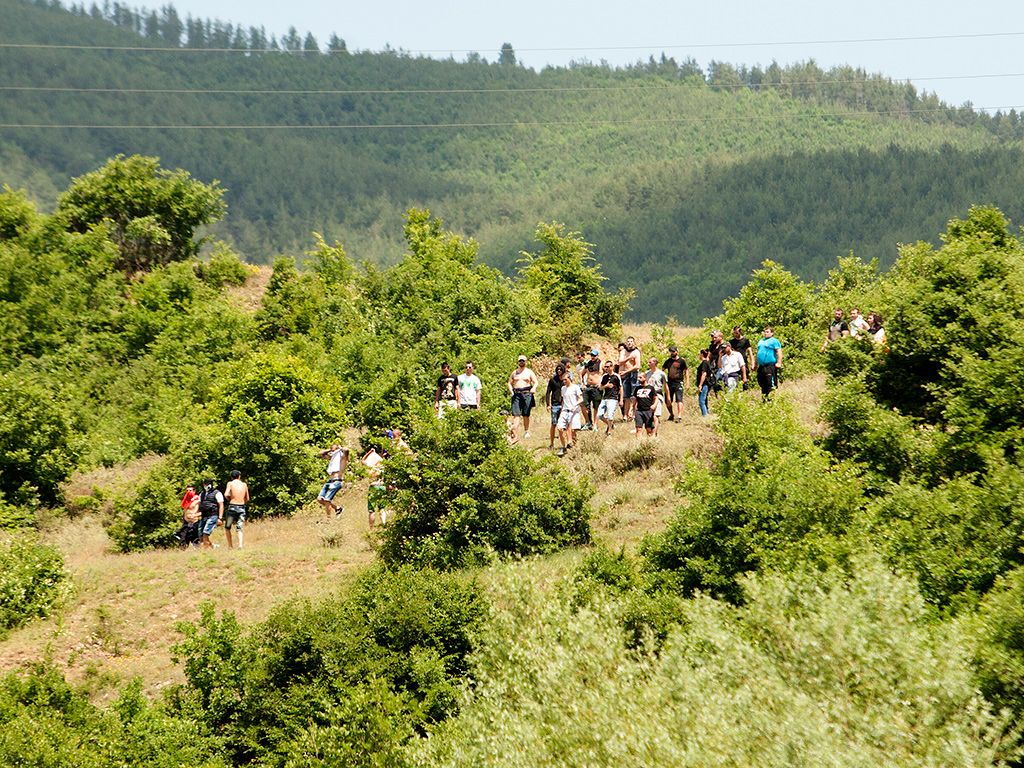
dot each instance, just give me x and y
(684, 179)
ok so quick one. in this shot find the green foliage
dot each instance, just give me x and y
(772, 498)
(776, 298)
(32, 582)
(466, 494)
(17, 214)
(350, 678)
(148, 513)
(840, 669)
(570, 286)
(223, 268)
(46, 721)
(38, 447)
(999, 654)
(151, 213)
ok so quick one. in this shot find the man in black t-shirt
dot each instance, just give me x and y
(446, 396)
(678, 382)
(611, 396)
(742, 344)
(837, 329)
(553, 400)
(645, 397)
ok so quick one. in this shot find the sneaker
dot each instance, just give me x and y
(562, 451)
(526, 435)
(338, 511)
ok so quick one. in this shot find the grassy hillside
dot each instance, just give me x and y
(683, 182)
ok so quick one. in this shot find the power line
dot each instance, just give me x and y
(457, 91)
(676, 46)
(510, 124)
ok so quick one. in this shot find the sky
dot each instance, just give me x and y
(964, 54)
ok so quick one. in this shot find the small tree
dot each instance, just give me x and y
(151, 213)
(466, 494)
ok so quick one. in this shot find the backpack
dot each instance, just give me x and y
(208, 504)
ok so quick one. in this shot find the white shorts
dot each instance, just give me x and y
(569, 420)
(657, 409)
(606, 410)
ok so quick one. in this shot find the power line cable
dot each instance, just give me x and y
(457, 91)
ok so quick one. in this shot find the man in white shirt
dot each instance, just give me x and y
(569, 417)
(733, 367)
(337, 463)
(470, 388)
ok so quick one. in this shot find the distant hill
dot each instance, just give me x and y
(683, 180)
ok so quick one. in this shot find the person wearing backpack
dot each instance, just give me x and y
(211, 507)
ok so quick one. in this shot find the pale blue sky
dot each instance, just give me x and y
(962, 52)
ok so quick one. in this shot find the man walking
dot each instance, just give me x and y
(591, 384)
(734, 368)
(769, 360)
(237, 496)
(742, 344)
(629, 368)
(211, 507)
(657, 379)
(337, 463)
(470, 388)
(553, 400)
(611, 396)
(644, 400)
(569, 418)
(522, 385)
(678, 382)
(446, 396)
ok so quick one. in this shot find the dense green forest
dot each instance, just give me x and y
(684, 178)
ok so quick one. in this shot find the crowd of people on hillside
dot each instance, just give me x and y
(581, 395)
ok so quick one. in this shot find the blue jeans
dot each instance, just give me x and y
(702, 398)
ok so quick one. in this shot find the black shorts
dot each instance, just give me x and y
(522, 403)
(592, 397)
(644, 419)
(675, 391)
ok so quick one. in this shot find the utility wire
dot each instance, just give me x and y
(457, 91)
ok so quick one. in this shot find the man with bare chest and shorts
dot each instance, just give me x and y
(629, 367)
(522, 385)
(236, 495)
(337, 456)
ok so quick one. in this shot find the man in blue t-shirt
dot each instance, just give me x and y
(769, 360)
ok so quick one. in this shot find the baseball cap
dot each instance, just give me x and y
(522, 359)
(595, 352)
(673, 348)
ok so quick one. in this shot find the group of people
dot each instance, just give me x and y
(583, 395)
(207, 510)
(839, 328)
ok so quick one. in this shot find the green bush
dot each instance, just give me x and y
(353, 677)
(223, 268)
(45, 721)
(844, 668)
(467, 494)
(33, 582)
(772, 498)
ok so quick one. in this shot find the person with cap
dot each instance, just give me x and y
(522, 385)
(337, 463)
(591, 384)
(678, 382)
(569, 418)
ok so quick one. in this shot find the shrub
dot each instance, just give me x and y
(773, 497)
(223, 268)
(841, 669)
(32, 582)
(354, 676)
(467, 493)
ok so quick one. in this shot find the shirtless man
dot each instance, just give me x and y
(629, 367)
(376, 494)
(337, 456)
(522, 385)
(237, 496)
(591, 384)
